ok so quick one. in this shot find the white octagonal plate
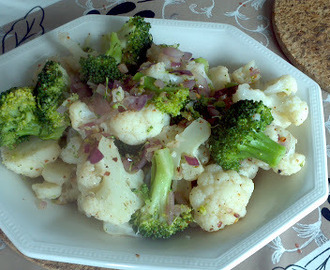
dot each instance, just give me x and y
(60, 233)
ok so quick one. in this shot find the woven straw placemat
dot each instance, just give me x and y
(302, 29)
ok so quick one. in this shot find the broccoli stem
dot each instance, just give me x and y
(115, 49)
(263, 148)
(162, 171)
(148, 83)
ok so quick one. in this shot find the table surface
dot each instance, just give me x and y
(251, 16)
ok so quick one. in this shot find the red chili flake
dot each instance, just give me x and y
(46, 160)
(236, 215)
(107, 173)
(282, 139)
(219, 224)
(115, 159)
(298, 249)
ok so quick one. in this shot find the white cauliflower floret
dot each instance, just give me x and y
(135, 127)
(158, 71)
(70, 153)
(121, 229)
(30, 157)
(58, 172)
(47, 191)
(285, 84)
(219, 76)
(220, 198)
(70, 192)
(249, 73)
(168, 134)
(199, 73)
(57, 177)
(292, 162)
(80, 115)
(110, 198)
(187, 143)
(286, 109)
(249, 168)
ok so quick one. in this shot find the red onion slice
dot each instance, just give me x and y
(95, 156)
(192, 161)
(182, 72)
(136, 103)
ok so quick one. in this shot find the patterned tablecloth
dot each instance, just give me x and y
(305, 245)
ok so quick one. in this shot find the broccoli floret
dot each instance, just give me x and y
(18, 118)
(153, 220)
(239, 135)
(135, 40)
(51, 90)
(169, 98)
(171, 102)
(97, 69)
(127, 46)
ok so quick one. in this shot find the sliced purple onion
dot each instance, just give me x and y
(187, 56)
(101, 89)
(98, 104)
(136, 103)
(192, 161)
(159, 83)
(123, 68)
(212, 110)
(80, 88)
(182, 72)
(62, 109)
(95, 156)
(189, 84)
(173, 52)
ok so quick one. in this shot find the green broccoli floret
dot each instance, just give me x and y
(153, 220)
(239, 135)
(168, 98)
(51, 90)
(18, 118)
(136, 39)
(171, 102)
(127, 46)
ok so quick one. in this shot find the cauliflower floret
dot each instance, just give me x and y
(249, 168)
(158, 71)
(47, 191)
(122, 229)
(284, 84)
(80, 115)
(219, 76)
(286, 109)
(199, 73)
(292, 162)
(30, 157)
(70, 192)
(57, 182)
(110, 197)
(187, 143)
(135, 127)
(220, 198)
(246, 74)
(70, 153)
(58, 172)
